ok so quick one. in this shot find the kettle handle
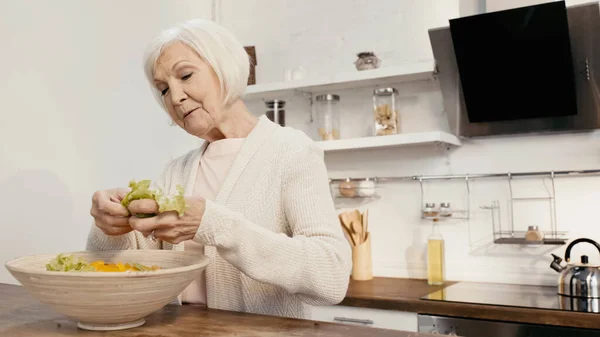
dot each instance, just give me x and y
(568, 251)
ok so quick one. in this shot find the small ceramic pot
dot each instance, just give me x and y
(366, 61)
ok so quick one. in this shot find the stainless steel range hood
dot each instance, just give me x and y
(584, 27)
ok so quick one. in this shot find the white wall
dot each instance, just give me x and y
(324, 39)
(498, 5)
(325, 36)
(77, 114)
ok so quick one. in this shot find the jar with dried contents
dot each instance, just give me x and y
(385, 112)
(367, 60)
(348, 188)
(430, 211)
(328, 111)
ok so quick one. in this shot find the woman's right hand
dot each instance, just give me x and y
(110, 216)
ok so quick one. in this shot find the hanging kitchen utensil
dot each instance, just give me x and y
(357, 229)
(347, 220)
(578, 283)
(366, 224)
(347, 230)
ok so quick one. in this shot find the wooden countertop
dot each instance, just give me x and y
(23, 316)
(404, 295)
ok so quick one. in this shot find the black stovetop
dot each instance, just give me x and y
(512, 295)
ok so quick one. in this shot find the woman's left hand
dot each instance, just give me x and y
(167, 226)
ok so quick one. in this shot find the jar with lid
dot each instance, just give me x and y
(276, 111)
(328, 112)
(385, 112)
(367, 60)
(534, 234)
(445, 210)
(430, 211)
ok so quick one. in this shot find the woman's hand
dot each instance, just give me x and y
(167, 226)
(109, 215)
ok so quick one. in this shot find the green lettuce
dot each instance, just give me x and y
(69, 263)
(142, 190)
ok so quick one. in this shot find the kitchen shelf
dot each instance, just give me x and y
(350, 80)
(456, 215)
(403, 139)
(522, 241)
(518, 238)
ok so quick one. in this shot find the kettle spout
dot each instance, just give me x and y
(556, 264)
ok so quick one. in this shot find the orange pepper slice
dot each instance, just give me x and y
(101, 266)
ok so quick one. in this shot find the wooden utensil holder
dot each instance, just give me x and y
(362, 264)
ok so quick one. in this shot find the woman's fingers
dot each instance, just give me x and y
(172, 235)
(147, 225)
(143, 206)
(114, 221)
(102, 203)
(113, 225)
(112, 230)
(165, 226)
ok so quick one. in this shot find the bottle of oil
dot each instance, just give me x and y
(435, 256)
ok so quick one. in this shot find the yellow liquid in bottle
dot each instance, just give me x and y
(435, 261)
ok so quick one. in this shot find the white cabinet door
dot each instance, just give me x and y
(377, 318)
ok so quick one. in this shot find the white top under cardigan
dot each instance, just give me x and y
(272, 232)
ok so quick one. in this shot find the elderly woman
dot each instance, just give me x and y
(258, 197)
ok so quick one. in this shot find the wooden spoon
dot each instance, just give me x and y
(347, 229)
(357, 229)
(357, 216)
(366, 223)
(346, 219)
(350, 218)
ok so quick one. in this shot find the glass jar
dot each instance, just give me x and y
(445, 210)
(367, 60)
(328, 112)
(276, 111)
(430, 211)
(348, 188)
(385, 113)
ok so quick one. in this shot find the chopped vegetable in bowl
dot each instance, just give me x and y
(69, 263)
(72, 263)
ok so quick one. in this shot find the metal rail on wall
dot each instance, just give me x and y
(479, 175)
(501, 236)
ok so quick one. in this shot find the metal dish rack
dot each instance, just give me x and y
(510, 235)
(456, 214)
(355, 195)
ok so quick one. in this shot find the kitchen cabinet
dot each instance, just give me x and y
(376, 318)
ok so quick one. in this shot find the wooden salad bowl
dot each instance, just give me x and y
(109, 300)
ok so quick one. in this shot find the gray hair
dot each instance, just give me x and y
(215, 45)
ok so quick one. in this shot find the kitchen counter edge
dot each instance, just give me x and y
(402, 294)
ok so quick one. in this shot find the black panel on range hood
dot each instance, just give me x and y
(516, 63)
(584, 31)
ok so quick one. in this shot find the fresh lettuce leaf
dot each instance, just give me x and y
(68, 263)
(139, 190)
(171, 203)
(142, 190)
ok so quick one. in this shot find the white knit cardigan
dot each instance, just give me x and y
(272, 233)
